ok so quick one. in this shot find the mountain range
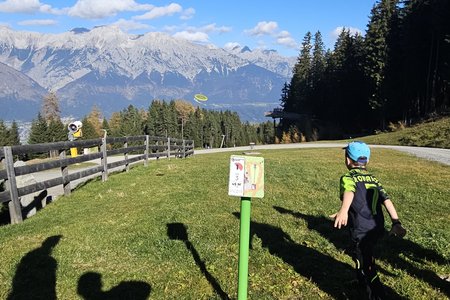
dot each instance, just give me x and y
(112, 69)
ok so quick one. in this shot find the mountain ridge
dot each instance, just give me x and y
(115, 69)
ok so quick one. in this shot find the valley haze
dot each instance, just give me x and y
(111, 69)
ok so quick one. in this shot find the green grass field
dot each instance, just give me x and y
(429, 134)
(170, 231)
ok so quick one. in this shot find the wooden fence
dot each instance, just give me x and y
(142, 147)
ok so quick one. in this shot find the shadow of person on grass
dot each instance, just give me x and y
(35, 276)
(37, 202)
(324, 271)
(178, 232)
(90, 288)
(389, 249)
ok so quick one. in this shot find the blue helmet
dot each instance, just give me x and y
(358, 151)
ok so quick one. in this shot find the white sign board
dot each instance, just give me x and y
(237, 173)
(246, 176)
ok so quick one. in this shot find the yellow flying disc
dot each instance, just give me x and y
(200, 98)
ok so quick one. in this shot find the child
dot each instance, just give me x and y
(362, 196)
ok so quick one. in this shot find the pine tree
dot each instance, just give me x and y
(38, 131)
(191, 129)
(378, 53)
(318, 66)
(155, 121)
(170, 119)
(89, 130)
(131, 122)
(426, 49)
(4, 139)
(105, 127)
(285, 96)
(14, 135)
(346, 84)
(56, 131)
(300, 82)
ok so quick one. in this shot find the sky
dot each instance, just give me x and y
(265, 24)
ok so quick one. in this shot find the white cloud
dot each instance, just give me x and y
(192, 36)
(353, 31)
(97, 9)
(263, 28)
(213, 28)
(38, 22)
(284, 38)
(26, 6)
(160, 11)
(231, 45)
(128, 25)
(187, 14)
(196, 34)
(170, 28)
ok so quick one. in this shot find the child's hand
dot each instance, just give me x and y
(397, 229)
(340, 219)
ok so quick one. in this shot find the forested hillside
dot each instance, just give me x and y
(398, 71)
(176, 119)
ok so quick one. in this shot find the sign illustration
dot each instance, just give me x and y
(246, 176)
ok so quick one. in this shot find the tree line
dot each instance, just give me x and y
(398, 72)
(176, 119)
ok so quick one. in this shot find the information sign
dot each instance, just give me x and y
(246, 176)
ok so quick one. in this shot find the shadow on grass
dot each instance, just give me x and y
(37, 203)
(90, 288)
(35, 276)
(324, 271)
(389, 249)
(178, 232)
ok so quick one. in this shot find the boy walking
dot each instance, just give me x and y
(362, 197)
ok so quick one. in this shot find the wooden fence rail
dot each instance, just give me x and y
(140, 147)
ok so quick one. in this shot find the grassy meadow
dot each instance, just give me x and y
(428, 134)
(170, 231)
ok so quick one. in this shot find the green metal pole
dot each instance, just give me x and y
(244, 243)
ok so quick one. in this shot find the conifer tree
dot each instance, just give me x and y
(155, 121)
(56, 131)
(105, 126)
(377, 53)
(131, 122)
(89, 130)
(300, 82)
(38, 131)
(14, 135)
(318, 66)
(4, 138)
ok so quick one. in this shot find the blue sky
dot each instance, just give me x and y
(267, 24)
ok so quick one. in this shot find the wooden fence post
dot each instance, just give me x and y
(104, 160)
(127, 165)
(168, 148)
(15, 208)
(146, 150)
(65, 174)
(184, 148)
